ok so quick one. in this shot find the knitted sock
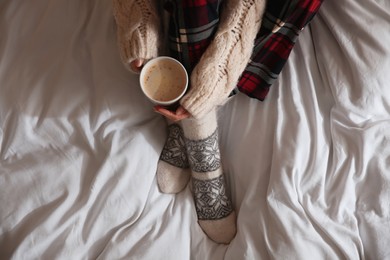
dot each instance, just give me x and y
(173, 169)
(213, 206)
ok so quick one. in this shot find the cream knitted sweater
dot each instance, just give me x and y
(138, 29)
(217, 73)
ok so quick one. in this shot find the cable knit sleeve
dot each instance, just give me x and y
(138, 29)
(220, 67)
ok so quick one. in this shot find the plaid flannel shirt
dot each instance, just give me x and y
(191, 28)
(193, 24)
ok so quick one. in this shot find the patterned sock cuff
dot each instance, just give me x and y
(211, 200)
(174, 151)
(203, 155)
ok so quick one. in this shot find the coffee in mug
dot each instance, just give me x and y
(164, 80)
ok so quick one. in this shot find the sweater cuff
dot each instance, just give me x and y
(220, 67)
(138, 30)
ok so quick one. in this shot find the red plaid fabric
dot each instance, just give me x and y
(193, 24)
(282, 23)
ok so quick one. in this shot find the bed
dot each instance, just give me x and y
(308, 169)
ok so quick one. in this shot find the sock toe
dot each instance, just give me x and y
(222, 230)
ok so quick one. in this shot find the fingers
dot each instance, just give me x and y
(167, 113)
(136, 65)
(138, 62)
(177, 115)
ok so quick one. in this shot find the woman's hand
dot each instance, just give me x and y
(177, 115)
(136, 65)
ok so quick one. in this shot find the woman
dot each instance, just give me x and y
(223, 45)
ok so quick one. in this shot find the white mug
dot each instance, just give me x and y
(164, 80)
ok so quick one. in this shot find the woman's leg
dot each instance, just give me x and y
(213, 205)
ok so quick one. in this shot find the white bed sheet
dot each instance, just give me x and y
(308, 169)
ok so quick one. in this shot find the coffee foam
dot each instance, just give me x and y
(164, 80)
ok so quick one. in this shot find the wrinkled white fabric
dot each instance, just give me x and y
(308, 169)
